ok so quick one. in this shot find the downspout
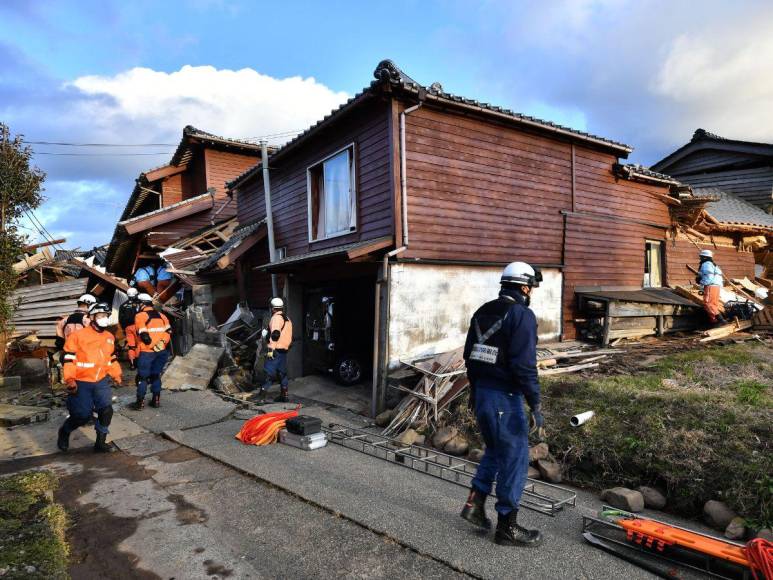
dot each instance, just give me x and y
(403, 175)
(379, 380)
(269, 215)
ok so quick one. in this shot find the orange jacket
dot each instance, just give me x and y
(154, 323)
(69, 323)
(285, 328)
(89, 356)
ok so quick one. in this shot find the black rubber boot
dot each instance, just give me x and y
(474, 511)
(282, 397)
(102, 446)
(509, 533)
(63, 440)
(260, 397)
(155, 401)
(139, 404)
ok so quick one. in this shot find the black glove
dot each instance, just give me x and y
(145, 338)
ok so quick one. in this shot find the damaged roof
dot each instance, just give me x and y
(192, 136)
(729, 209)
(639, 172)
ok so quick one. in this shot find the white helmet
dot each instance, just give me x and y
(277, 303)
(520, 273)
(132, 292)
(87, 299)
(706, 254)
(145, 297)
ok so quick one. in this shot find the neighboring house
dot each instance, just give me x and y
(396, 213)
(184, 204)
(742, 168)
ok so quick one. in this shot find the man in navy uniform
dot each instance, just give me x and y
(501, 357)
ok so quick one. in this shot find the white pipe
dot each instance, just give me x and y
(403, 176)
(578, 420)
(269, 215)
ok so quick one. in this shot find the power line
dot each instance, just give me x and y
(67, 144)
(102, 154)
(41, 228)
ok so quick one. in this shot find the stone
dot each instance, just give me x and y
(29, 368)
(717, 514)
(385, 417)
(226, 384)
(765, 534)
(624, 499)
(458, 445)
(653, 499)
(736, 529)
(30, 569)
(670, 383)
(420, 440)
(10, 383)
(11, 415)
(533, 473)
(475, 454)
(443, 436)
(408, 437)
(538, 451)
(549, 470)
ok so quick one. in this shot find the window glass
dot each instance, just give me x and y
(332, 197)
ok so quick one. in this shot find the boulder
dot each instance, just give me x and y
(765, 534)
(717, 514)
(736, 529)
(443, 436)
(475, 454)
(624, 499)
(670, 383)
(385, 417)
(539, 451)
(549, 470)
(458, 445)
(533, 473)
(420, 440)
(653, 499)
(408, 437)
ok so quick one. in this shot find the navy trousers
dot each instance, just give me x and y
(276, 370)
(502, 422)
(89, 398)
(149, 367)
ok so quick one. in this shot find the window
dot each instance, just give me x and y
(281, 253)
(332, 196)
(653, 264)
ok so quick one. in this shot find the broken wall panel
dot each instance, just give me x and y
(681, 253)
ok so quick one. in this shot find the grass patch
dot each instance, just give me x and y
(32, 527)
(699, 424)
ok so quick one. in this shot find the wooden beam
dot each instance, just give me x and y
(113, 281)
(377, 245)
(239, 250)
(166, 171)
(34, 247)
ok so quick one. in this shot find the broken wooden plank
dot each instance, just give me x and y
(725, 330)
(564, 370)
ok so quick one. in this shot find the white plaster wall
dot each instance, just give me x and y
(431, 305)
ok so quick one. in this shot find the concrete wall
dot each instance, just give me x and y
(431, 306)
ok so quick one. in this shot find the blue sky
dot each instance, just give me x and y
(645, 72)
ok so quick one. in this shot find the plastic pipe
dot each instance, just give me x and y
(578, 420)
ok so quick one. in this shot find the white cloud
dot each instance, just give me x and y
(143, 105)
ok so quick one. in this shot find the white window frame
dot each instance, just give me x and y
(353, 185)
(662, 266)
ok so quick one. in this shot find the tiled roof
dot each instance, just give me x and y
(732, 210)
(184, 152)
(634, 170)
(236, 239)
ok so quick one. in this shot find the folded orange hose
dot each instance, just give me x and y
(264, 429)
(760, 554)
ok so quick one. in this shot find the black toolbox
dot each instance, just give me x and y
(304, 425)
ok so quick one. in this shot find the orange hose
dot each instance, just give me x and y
(264, 429)
(760, 555)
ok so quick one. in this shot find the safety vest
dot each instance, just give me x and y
(89, 356)
(280, 332)
(156, 324)
(490, 344)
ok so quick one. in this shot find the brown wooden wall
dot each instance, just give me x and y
(172, 189)
(734, 264)
(368, 128)
(482, 192)
(223, 166)
(255, 286)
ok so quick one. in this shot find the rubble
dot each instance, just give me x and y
(195, 370)
(12, 415)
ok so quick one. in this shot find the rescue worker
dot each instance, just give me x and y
(89, 367)
(154, 336)
(126, 314)
(69, 323)
(710, 277)
(145, 279)
(163, 279)
(501, 357)
(280, 337)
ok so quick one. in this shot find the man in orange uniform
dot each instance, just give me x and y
(280, 337)
(154, 333)
(89, 366)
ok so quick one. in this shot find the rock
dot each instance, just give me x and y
(549, 470)
(653, 499)
(717, 514)
(385, 417)
(533, 473)
(420, 440)
(226, 384)
(11, 383)
(475, 454)
(539, 451)
(670, 383)
(624, 499)
(408, 437)
(30, 569)
(443, 436)
(736, 529)
(765, 534)
(458, 445)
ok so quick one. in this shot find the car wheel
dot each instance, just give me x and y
(348, 371)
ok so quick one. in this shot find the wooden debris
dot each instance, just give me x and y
(763, 320)
(571, 369)
(725, 330)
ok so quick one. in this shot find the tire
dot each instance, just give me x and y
(348, 371)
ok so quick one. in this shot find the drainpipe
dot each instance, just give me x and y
(403, 176)
(269, 215)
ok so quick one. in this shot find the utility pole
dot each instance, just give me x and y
(269, 215)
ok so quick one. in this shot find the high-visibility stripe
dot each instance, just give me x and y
(157, 329)
(86, 365)
(69, 356)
